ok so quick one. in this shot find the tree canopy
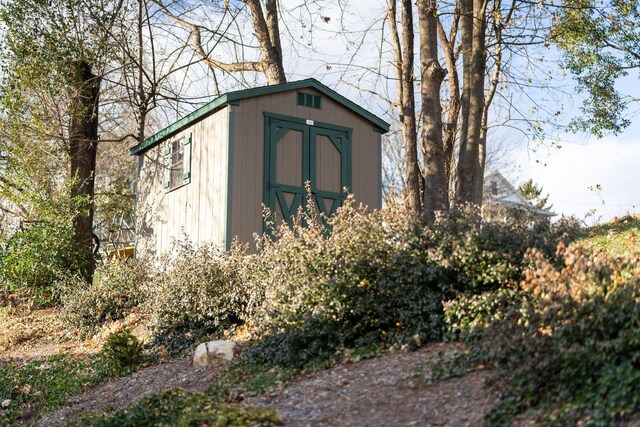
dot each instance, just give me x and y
(533, 194)
(600, 44)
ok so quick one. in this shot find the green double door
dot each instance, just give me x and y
(301, 152)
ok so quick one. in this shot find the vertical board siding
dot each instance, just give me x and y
(289, 159)
(327, 165)
(195, 211)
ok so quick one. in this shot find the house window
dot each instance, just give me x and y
(177, 163)
(309, 100)
(494, 188)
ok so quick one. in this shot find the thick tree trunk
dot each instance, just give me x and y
(404, 59)
(436, 194)
(83, 144)
(473, 25)
(268, 34)
(493, 86)
(266, 29)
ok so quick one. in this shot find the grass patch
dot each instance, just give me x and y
(616, 238)
(247, 376)
(45, 384)
(177, 407)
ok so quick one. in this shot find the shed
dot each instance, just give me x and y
(207, 176)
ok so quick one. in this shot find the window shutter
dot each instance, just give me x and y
(186, 162)
(166, 180)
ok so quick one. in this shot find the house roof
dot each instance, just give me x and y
(235, 96)
(503, 193)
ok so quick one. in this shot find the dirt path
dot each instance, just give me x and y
(120, 393)
(385, 391)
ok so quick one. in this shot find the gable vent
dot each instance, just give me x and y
(309, 100)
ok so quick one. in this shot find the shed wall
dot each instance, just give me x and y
(196, 211)
(248, 154)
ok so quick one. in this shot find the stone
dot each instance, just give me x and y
(211, 352)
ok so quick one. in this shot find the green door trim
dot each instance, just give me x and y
(339, 136)
(307, 122)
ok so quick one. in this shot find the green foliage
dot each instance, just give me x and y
(566, 343)
(177, 407)
(45, 383)
(252, 377)
(533, 194)
(232, 416)
(122, 353)
(34, 255)
(379, 279)
(365, 352)
(465, 314)
(118, 286)
(599, 41)
(200, 292)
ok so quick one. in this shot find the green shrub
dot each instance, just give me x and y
(232, 416)
(122, 352)
(200, 292)
(570, 345)
(379, 278)
(462, 316)
(164, 408)
(356, 285)
(177, 407)
(41, 250)
(118, 286)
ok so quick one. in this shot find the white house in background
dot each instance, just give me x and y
(501, 200)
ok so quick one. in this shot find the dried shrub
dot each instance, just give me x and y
(117, 288)
(198, 292)
(570, 341)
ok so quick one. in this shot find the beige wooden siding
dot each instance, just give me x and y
(327, 165)
(289, 159)
(196, 211)
(248, 154)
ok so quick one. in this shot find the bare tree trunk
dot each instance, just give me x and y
(403, 53)
(436, 197)
(473, 23)
(268, 34)
(493, 86)
(83, 148)
(266, 29)
(142, 97)
(450, 127)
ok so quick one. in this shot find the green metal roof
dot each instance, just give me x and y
(232, 97)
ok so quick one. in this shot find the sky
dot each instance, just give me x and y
(590, 178)
(595, 181)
